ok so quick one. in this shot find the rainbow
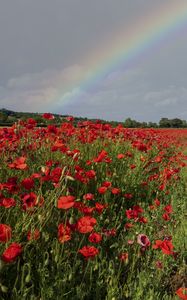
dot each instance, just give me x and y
(127, 46)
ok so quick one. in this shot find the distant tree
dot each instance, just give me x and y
(184, 123)
(164, 123)
(3, 117)
(176, 123)
(129, 123)
(152, 125)
(144, 125)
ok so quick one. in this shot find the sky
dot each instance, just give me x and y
(47, 50)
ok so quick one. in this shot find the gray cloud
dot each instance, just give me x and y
(43, 45)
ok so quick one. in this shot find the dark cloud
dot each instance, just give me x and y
(43, 45)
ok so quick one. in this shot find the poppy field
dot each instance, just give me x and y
(89, 211)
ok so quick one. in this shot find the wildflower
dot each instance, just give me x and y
(89, 251)
(7, 202)
(29, 200)
(48, 116)
(19, 163)
(27, 183)
(166, 246)
(5, 233)
(86, 224)
(143, 240)
(115, 191)
(64, 233)
(120, 156)
(124, 256)
(12, 252)
(182, 293)
(33, 235)
(66, 202)
(88, 196)
(102, 190)
(95, 237)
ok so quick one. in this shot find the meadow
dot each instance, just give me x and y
(92, 212)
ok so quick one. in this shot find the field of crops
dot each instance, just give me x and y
(92, 212)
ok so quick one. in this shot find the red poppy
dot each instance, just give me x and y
(157, 202)
(29, 200)
(12, 252)
(101, 156)
(19, 163)
(128, 196)
(99, 207)
(89, 251)
(95, 238)
(86, 224)
(69, 118)
(107, 184)
(115, 191)
(166, 246)
(48, 116)
(120, 156)
(124, 256)
(8, 202)
(5, 233)
(128, 225)
(166, 217)
(90, 174)
(88, 196)
(28, 183)
(33, 235)
(66, 202)
(182, 293)
(102, 190)
(168, 209)
(64, 233)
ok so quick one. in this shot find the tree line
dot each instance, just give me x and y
(9, 117)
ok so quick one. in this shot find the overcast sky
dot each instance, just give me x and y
(43, 44)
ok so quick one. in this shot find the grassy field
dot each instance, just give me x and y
(92, 212)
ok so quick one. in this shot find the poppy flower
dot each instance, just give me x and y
(89, 251)
(182, 293)
(86, 224)
(69, 118)
(107, 184)
(66, 202)
(48, 116)
(12, 252)
(64, 233)
(166, 217)
(33, 235)
(128, 225)
(29, 200)
(8, 202)
(168, 209)
(115, 191)
(124, 256)
(95, 238)
(88, 196)
(27, 183)
(99, 207)
(102, 190)
(143, 240)
(19, 163)
(166, 246)
(5, 233)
